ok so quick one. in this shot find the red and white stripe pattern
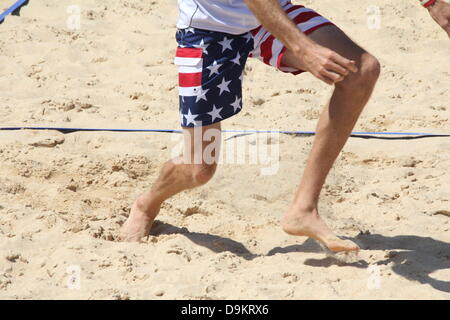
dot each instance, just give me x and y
(427, 3)
(190, 64)
(270, 50)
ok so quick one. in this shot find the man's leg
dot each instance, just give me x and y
(333, 129)
(191, 170)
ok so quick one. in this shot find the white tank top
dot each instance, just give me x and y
(229, 16)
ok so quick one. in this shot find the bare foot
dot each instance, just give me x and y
(138, 224)
(311, 225)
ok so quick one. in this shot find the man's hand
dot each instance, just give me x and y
(326, 64)
(440, 12)
(323, 63)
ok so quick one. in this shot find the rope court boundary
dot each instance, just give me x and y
(14, 9)
(362, 134)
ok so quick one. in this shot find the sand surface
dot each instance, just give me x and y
(64, 197)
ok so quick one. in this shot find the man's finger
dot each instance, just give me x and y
(333, 76)
(337, 68)
(346, 63)
(325, 79)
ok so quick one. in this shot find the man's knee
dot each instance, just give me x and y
(367, 75)
(371, 68)
(203, 173)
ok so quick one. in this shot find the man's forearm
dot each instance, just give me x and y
(440, 11)
(274, 19)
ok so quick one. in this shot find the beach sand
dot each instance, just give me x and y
(63, 197)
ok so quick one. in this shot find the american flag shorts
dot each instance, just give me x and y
(211, 66)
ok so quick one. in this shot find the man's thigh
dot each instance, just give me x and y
(330, 37)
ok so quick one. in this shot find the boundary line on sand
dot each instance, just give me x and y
(14, 9)
(363, 135)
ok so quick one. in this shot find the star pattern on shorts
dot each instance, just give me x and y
(237, 104)
(215, 113)
(219, 95)
(237, 60)
(214, 68)
(190, 118)
(226, 44)
(203, 46)
(202, 95)
(224, 86)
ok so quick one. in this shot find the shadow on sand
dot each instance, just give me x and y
(416, 259)
(412, 257)
(212, 242)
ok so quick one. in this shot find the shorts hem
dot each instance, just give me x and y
(227, 116)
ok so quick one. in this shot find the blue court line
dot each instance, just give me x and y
(11, 9)
(358, 134)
